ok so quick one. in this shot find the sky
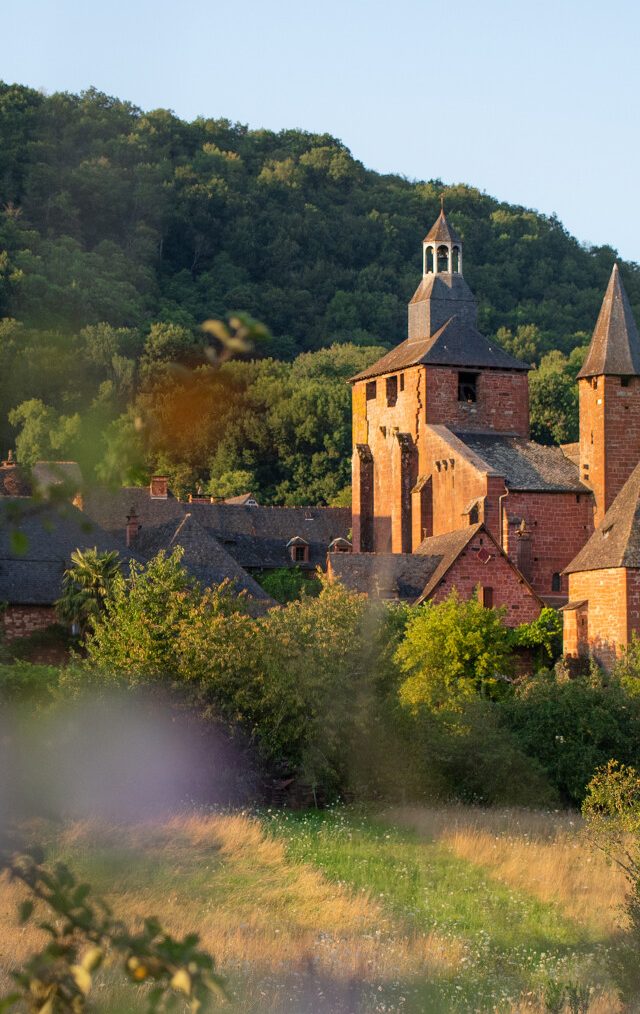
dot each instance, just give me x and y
(533, 102)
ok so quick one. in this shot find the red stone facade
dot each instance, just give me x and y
(20, 621)
(488, 573)
(604, 614)
(609, 435)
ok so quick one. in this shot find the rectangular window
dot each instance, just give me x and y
(371, 390)
(392, 391)
(486, 597)
(468, 387)
(402, 381)
(624, 381)
(300, 554)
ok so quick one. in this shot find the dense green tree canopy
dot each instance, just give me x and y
(121, 231)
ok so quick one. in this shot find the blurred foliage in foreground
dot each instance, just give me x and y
(82, 931)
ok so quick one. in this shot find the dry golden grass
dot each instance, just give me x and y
(545, 854)
(221, 876)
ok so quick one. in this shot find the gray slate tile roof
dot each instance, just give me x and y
(442, 232)
(52, 533)
(204, 557)
(616, 541)
(524, 464)
(456, 343)
(615, 345)
(255, 536)
(410, 576)
(388, 575)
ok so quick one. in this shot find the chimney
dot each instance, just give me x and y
(159, 488)
(132, 527)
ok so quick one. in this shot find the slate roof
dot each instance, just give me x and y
(616, 541)
(442, 232)
(525, 465)
(411, 576)
(255, 536)
(615, 345)
(35, 576)
(204, 557)
(456, 343)
(387, 575)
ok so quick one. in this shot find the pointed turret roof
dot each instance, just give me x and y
(441, 231)
(615, 346)
(616, 541)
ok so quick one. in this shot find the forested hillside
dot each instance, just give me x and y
(121, 231)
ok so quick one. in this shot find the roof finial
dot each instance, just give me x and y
(442, 203)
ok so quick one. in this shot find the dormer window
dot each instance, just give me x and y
(340, 545)
(468, 387)
(298, 550)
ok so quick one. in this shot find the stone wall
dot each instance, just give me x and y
(558, 524)
(20, 621)
(502, 401)
(609, 435)
(599, 628)
(482, 564)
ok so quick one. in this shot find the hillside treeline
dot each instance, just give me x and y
(151, 225)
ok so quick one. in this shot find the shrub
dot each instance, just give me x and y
(452, 651)
(573, 726)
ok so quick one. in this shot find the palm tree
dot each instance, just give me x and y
(86, 585)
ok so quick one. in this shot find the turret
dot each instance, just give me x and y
(609, 392)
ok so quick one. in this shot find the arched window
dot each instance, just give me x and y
(443, 258)
(455, 259)
(428, 260)
(555, 583)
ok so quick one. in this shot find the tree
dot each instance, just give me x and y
(452, 651)
(612, 813)
(86, 586)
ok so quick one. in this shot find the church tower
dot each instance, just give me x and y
(609, 393)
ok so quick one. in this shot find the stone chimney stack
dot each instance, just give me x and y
(159, 487)
(133, 527)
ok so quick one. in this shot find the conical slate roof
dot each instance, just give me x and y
(615, 346)
(616, 542)
(442, 232)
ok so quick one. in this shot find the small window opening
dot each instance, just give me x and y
(486, 597)
(555, 583)
(468, 387)
(624, 381)
(594, 383)
(455, 259)
(392, 391)
(402, 381)
(299, 554)
(474, 515)
(591, 436)
(428, 260)
(443, 259)
(371, 390)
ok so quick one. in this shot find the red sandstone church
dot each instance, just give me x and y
(441, 446)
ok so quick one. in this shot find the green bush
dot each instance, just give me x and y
(573, 726)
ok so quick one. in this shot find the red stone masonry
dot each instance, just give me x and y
(609, 435)
(482, 565)
(20, 621)
(502, 401)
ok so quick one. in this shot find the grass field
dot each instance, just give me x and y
(412, 910)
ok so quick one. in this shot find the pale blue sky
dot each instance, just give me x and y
(535, 102)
